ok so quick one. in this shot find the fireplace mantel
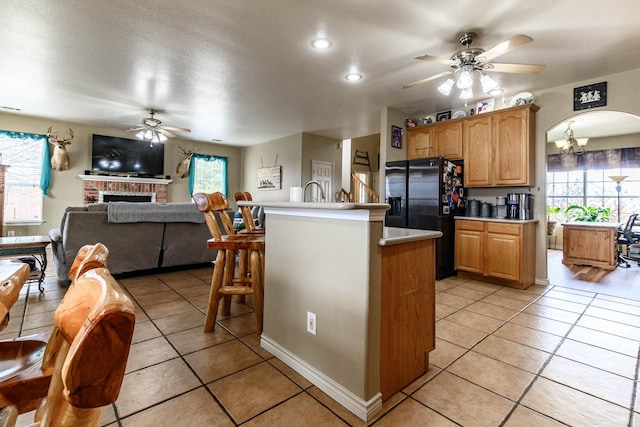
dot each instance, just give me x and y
(124, 179)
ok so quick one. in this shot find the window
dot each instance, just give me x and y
(208, 174)
(23, 154)
(588, 184)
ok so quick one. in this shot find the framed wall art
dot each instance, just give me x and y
(590, 96)
(445, 115)
(396, 137)
(484, 106)
(269, 178)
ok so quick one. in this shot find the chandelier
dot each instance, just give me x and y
(570, 144)
(464, 78)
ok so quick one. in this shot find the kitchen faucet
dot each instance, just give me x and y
(304, 192)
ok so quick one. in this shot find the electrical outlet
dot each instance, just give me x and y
(311, 322)
(11, 233)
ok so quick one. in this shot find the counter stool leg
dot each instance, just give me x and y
(214, 294)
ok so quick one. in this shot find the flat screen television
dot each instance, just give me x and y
(131, 156)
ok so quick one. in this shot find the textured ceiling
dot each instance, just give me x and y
(243, 71)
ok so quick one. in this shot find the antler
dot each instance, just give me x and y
(53, 137)
(184, 152)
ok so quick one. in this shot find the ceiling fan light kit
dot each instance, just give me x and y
(153, 131)
(468, 62)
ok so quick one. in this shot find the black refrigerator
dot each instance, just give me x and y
(433, 195)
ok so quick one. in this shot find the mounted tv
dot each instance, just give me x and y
(126, 156)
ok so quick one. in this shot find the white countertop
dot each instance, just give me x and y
(490, 219)
(394, 236)
(315, 205)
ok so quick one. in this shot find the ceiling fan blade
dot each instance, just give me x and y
(166, 133)
(135, 129)
(515, 68)
(506, 46)
(176, 129)
(436, 59)
(428, 79)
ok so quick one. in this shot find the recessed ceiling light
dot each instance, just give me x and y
(321, 43)
(353, 77)
(495, 92)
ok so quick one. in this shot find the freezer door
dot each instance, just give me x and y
(423, 193)
(396, 194)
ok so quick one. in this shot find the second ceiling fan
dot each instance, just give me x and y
(153, 130)
(469, 60)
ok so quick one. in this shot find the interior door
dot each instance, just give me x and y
(323, 173)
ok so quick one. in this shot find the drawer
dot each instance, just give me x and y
(462, 224)
(502, 228)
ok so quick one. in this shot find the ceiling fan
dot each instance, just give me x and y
(474, 59)
(153, 130)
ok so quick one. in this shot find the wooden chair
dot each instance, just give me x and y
(13, 276)
(226, 281)
(247, 216)
(85, 356)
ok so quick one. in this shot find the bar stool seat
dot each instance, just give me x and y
(226, 281)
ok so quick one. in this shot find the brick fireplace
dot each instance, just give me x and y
(99, 188)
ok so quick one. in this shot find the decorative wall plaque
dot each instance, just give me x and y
(590, 96)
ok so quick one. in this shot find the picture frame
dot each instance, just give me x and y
(590, 96)
(269, 178)
(484, 106)
(396, 137)
(445, 115)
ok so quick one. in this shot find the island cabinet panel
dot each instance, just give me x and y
(477, 152)
(420, 143)
(448, 139)
(496, 251)
(514, 144)
(590, 244)
(407, 333)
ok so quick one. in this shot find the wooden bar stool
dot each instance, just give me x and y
(247, 216)
(225, 281)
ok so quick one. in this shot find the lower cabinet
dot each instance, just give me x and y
(496, 251)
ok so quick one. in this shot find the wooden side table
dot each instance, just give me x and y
(32, 246)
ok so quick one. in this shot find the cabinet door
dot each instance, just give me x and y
(420, 144)
(469, 251)
(447, 138)
(513, 150)
(503, 258)
(477, 151)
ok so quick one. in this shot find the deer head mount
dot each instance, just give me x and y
(60, 158)
(183, 167)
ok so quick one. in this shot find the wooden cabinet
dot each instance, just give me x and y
(514, 146)
(496, 251)
(590, 243)
(420, 143)
(469, 246)
(498, 147)
(447, 138)
(477, 151)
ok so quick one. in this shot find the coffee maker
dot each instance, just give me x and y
(525, 206)
(513, 205)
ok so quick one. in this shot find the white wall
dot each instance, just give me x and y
(288, 152)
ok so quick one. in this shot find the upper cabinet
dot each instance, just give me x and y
(420, 143)
(447, 138)
(497, 147)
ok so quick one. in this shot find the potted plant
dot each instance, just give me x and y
(551, 225)
(587, 213)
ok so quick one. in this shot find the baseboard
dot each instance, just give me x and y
(543, 282)
(365, 410)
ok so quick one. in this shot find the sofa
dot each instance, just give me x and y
(139, 236)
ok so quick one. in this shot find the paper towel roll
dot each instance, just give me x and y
(295, 194)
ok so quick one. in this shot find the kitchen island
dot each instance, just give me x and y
(590, 243)
(365, 292)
